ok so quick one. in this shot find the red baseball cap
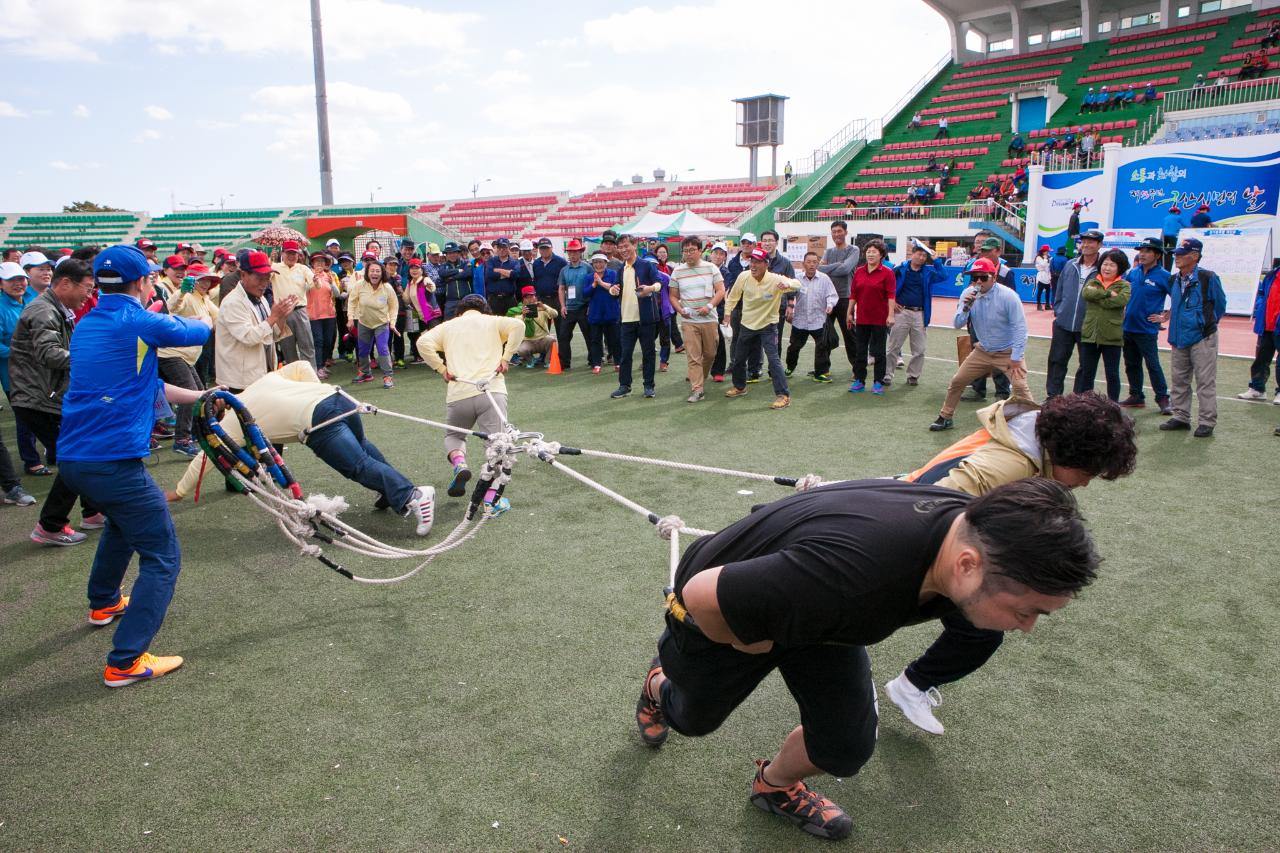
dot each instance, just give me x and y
(291, 246)
(575, 245)
(1204, 208)
(981, 265)
(259, 262)
(181, 246)
(369, 256)
(201, 271)
(527, 290)
(144, 243)
(415, 262)
(219, 252)
(759, 254)
(175, 261)
(1045, 247)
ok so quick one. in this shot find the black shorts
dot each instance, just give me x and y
(832, 685)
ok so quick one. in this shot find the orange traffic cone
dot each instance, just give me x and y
(553, 360)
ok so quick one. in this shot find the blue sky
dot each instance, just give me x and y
(129, 101)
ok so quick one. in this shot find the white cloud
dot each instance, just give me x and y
(201, 25)
(441, 88)
(561, 43)
(355, 138)
(157, 112)
(512, 55)
(8, 110)
(505, 77)
(147, 135)
(214, 124)
(81, 111)
(64, 166)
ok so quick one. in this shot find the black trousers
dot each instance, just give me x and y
(821, 355)
(177, 372)
(832, 686)
(1088, 370)
(1047, 292)
(1263, 354)
(869, 339)
(1060, 348)
(645, 334)
(56, 512)
(836, 318)
(500, 302)
(397, 341)
(602, 335)
(570, 320)
(719, 363)
(8, 476)
(960, 650)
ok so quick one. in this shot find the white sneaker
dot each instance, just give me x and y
(1251, 394)
(917, 704)
(1277, 399)
(901, 363)
(422, 509)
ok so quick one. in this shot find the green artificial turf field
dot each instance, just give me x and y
(487, 703)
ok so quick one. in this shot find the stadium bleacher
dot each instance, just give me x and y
(214, 227)
(70, 230)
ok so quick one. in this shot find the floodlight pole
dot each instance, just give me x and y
(322, 106)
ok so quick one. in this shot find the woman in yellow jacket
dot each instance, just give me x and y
(1102, 334)
(371, 310)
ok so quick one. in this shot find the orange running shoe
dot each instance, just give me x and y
(653, 725)
(146, 667)
(806, 808)
(107, 615)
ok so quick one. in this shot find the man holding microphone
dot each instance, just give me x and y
(1001, 329)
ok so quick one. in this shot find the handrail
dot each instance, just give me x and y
(885, 211)
(1014, 216)
(858, 129)
(829, 168)
(915, 89)
(1221, 95)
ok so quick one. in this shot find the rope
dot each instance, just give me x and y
(808, 480)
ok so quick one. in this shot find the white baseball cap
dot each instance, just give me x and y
(34, 259)
(332, 242)
(10, 270)
(526, 245)
(598, 256)
(747, 238)
(721, 246)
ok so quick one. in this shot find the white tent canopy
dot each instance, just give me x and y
(686, 223)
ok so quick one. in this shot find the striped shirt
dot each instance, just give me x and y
(696, 286)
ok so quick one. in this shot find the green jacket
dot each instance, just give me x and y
(1104, 312)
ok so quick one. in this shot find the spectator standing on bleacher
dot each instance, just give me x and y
(787, 173)
(1148, 290)
(1087, 143)
(1017, 145)
(1266, 325)
(290, 278)
(1201, 218)
(1068, 310)
(838, 262)
(1272, 38)
(1169, 229)
(1198, 303)
(943, 132)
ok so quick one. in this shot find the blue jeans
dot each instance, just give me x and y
(747, 345)
(138, 522)
(324, 333)
(646, 333)
(343, 447)
(1140, 349)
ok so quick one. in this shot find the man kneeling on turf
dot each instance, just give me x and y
(803, 585)
(291, 401)
(473, 346)
(1072, 439)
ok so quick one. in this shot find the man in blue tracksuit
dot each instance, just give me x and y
(1149, 289)
(1198, 303)
(107, 414)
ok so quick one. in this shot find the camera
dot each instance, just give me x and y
(531, 311)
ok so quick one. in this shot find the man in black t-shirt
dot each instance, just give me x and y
(803, 585)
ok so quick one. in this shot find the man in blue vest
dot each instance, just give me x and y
(1198, 304)
(107, 414)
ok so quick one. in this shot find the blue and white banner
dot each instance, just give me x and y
(1238, 178)
(1058, 195)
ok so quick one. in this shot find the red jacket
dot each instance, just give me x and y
(872, 291)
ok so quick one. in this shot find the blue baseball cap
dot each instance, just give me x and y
(1190, 244)
(120, 265)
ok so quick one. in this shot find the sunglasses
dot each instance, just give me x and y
(980, 277)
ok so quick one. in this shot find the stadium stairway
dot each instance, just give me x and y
(974, 97)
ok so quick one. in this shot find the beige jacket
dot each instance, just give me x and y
(244, 348)
(1005, 457)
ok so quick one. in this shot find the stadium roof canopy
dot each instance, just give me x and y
(1020, 19)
